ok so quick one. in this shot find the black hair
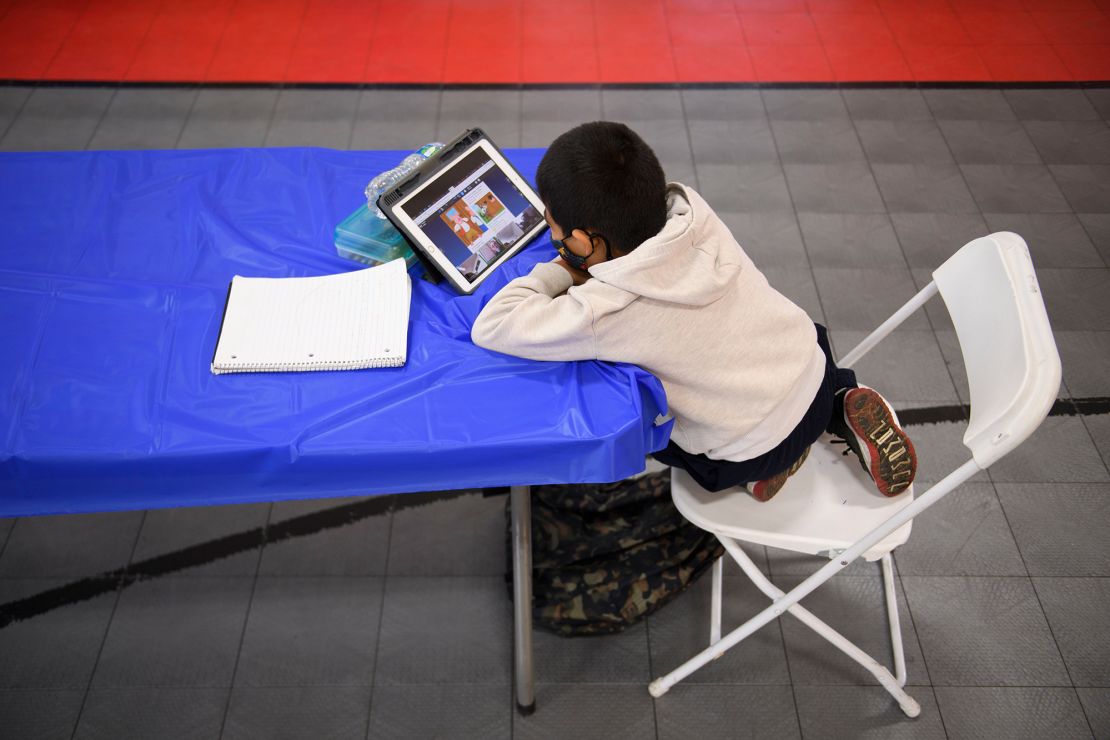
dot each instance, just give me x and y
(603, 176)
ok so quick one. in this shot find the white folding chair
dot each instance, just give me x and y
(831, 507)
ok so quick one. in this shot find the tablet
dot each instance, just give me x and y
(465, 211)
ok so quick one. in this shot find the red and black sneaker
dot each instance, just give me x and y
(870, 427)
(764, 490)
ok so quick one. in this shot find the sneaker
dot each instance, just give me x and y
(764, 490)
(870, 428)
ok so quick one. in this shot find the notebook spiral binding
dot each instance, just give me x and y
(287, 367)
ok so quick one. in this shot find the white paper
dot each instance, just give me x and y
(348, 321)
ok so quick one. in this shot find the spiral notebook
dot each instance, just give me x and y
(348, 321)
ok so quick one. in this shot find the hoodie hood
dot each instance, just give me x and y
(691, 261)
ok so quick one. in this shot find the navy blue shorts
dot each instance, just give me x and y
(717, 475)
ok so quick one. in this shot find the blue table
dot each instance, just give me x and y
(114, 267)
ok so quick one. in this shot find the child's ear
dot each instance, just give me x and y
(581, 237)
(584, 235)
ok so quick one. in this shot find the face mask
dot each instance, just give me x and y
(578, 262)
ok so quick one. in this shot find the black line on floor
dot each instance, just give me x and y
(960, 412)
(933, 415)
(212, 550)
(338, 516)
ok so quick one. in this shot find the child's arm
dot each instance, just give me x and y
(534, 317)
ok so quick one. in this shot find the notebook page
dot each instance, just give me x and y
(351, 320)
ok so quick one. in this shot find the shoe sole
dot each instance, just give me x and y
(892, 459)
(764, 490)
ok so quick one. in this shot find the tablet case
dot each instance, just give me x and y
(450, 151)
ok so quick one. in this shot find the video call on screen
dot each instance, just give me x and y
(479, 220)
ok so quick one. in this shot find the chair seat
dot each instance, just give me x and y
(829, 504)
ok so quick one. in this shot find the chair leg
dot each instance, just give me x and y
(890, 683)
(715, 607)
(908, 704)
(892, 618)
(661, 685)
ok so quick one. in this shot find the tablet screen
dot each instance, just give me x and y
(473, 213)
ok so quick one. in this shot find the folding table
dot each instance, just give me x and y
(114, 268)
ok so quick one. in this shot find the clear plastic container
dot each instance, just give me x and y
(365, 238)
(387, 180)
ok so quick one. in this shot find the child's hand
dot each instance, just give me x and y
(579, 276)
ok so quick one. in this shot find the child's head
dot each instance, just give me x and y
(603, 178)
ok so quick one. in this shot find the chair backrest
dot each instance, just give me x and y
(1013, 368)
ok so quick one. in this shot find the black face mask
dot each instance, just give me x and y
(576, 261)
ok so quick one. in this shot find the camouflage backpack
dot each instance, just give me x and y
(606, 556)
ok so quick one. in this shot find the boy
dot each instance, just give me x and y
(648, 274)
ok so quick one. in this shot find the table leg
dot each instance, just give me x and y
(521, 505)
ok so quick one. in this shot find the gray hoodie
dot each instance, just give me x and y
(739, 362)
